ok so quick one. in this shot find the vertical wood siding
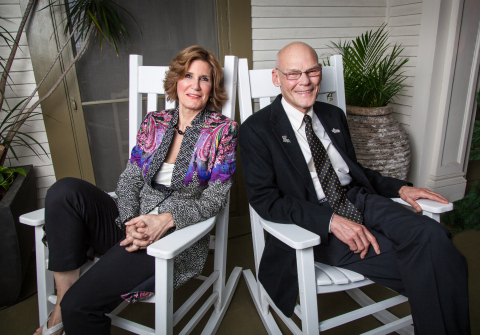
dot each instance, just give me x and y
(23, 85)
(275, 23)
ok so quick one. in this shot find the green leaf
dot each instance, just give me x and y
(372, 77)
(466, 213)
(7, 176)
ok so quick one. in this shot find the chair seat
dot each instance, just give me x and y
(328, 275)
(334, 279)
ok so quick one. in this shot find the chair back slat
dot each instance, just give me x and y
(150, 79)
(152, 102)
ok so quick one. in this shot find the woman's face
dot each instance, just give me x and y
(194, 89)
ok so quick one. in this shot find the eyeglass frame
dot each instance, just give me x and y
(302, 72)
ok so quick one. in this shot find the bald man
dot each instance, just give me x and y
(391, 245)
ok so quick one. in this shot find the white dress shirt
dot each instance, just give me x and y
(338, 163)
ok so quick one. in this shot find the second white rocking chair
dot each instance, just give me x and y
(313, 277)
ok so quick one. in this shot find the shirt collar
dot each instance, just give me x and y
(294, 115)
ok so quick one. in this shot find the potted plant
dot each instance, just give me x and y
(373, 78)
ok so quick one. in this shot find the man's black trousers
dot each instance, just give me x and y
(417, 260)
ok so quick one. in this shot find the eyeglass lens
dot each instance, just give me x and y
(297, 74)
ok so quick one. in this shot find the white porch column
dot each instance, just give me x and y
(444, 92)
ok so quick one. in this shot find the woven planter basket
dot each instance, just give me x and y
(380, 141)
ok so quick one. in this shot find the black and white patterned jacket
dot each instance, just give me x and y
(202, 177)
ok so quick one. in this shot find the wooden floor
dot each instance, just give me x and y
(241, 317)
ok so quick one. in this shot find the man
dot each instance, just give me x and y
(290, 179)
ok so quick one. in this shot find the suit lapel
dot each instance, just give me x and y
(286, 136)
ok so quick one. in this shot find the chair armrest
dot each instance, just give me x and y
(428, 205)
(292, 235)
(35, 218)
(173, 244)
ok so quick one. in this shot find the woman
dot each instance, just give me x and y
(179, 174)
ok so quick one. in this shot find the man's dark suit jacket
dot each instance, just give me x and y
(280, 188)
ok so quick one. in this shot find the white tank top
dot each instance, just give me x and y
(164, 177)
(164, 174)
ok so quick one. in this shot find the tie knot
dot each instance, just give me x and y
(307, 119)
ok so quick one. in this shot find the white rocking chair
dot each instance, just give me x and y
(314, 277)
(148, 79)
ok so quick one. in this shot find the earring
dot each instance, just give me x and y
(211, 99)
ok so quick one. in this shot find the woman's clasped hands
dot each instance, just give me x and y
(146, 229)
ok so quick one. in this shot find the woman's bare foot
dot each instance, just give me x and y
(55, 319)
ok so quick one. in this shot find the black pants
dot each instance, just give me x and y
(78, 216)
(417, 259)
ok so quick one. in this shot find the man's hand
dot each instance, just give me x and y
(410, 194)
(146, 229)
(355, 235)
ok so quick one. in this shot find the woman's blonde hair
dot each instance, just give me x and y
(178, 68)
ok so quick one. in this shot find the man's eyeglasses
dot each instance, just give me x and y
(295, 75)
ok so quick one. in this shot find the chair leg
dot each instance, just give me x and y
(228, 290)
(45, 282)
(163, 296)
(307, 290)
(267, 318)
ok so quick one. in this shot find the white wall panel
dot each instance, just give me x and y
(331, 22)
(11, 11)
(44, 171)
(22, 65)
(405, 20)
(404, 2)
(316, 3)
(406, 30)
(24, 83)
(23, 41)
(316, 43)
(332, 33)
(406, 9)
(317, 11)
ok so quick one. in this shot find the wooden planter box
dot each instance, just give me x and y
(16, 239)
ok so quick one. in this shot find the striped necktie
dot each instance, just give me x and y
(332, 188)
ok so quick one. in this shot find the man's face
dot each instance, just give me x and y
(300, 93)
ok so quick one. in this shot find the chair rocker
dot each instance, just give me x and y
(314, 277)
(148, 79)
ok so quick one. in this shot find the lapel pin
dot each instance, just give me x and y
(285, 139)
(335, 130)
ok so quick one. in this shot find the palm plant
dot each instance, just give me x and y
(372, 76)
(466, 214)
(475, 147)
(84, 18)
